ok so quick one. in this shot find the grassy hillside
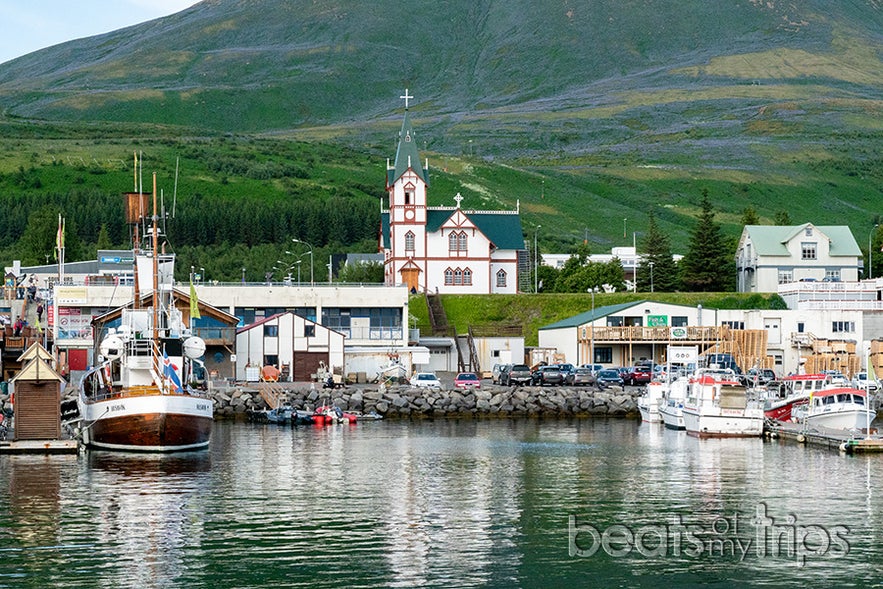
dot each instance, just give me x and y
(587, 114)
(534, 311)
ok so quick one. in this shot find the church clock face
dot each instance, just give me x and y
(409, 215)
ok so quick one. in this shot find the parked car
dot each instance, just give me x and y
(565, 370)
(609, 377)
(580, 377)
(497, 371)
(762, 377)
(637, 375)
(595, 368)
(425, 380)
(547, 375)
(467, 380)
(519, 374)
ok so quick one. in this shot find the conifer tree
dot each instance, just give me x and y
(750, 216)
(782, 218)
(707, 266)
(656, 250)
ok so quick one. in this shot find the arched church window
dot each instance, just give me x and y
(501, 278)
(461, 241)
(409, 241)
(452, 241)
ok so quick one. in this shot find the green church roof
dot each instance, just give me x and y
(407, 155)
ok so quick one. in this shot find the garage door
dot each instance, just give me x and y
(307, 364)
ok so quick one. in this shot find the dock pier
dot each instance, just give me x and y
(843, 441)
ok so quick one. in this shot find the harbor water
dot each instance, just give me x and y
(446, 503)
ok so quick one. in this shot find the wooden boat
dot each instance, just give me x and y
(137, 396)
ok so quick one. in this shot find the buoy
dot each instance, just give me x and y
(801, 439)
(844, 447)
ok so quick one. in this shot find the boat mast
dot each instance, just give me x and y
(155, 268)
(134, 218)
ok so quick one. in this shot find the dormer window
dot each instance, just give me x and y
(808, 251)
(409, 197)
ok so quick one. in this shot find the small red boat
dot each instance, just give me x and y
(329, 415)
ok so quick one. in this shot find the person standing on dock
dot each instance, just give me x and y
(40, 312)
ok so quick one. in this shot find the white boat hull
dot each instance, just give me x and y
(845, 419)
(721, 423)
(672, 416)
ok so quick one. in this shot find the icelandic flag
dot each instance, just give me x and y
(169, 372)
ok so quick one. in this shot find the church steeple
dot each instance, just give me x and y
(407, 155)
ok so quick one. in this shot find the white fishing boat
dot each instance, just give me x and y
(717, 405)
(843, 408)
(672, 408)
(650, 401)
(793, 392)
(137, 397)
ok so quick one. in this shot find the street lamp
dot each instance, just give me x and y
(296, 240)
(243, 276)
(535, 260)
(871, 252)
(651, 276)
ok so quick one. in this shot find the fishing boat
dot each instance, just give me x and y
(649, 403)
(843, 408)
(793, 392)
(717, 405)
(137, 396)
(672, 407)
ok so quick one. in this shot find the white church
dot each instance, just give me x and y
(443, 249)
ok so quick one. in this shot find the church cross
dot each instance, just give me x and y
(406, 97)
(458, 198)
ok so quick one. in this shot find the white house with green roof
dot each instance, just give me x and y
(445, 249)
(770, 255)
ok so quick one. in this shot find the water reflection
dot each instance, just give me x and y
(446, 503)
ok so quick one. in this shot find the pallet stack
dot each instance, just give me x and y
(833, 355)
(876, 360)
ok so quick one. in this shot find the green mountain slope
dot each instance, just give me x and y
(586, 113)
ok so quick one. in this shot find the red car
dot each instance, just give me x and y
(467, 380)
(637, 375)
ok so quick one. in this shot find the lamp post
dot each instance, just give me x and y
(298, 271)
(535, 260)
(871, 252)
(651, 276)
(243, 276)
(296, 240)
(201, 275)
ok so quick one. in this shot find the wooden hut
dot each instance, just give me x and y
(37, 397)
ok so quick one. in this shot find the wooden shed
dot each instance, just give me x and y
(37, 397)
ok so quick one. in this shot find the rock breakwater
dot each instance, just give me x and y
(409, 402)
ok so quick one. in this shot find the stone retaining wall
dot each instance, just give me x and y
(407, 402)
